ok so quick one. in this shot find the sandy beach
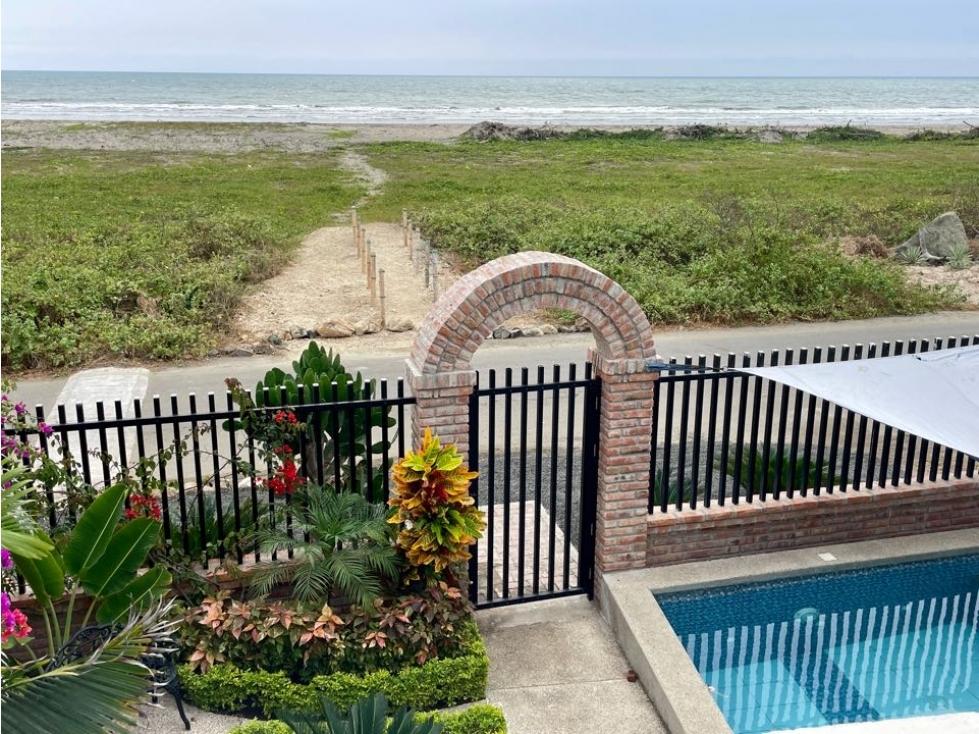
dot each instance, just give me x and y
(247, 136)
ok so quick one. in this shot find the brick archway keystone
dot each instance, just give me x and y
(442, 379)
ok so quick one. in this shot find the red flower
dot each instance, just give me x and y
(283, 416)
(286, 478)
(142, 506)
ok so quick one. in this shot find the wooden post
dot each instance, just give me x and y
(372, 278)
(355, 222)
(380, 285)
(404, 225)
(409, 241)
(365, 251)
(435, 275)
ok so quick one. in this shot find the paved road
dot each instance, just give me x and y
(388, 363)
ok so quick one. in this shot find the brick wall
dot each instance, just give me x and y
(679, 536)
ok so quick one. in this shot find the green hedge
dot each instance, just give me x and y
(479, 719)
(436, 684)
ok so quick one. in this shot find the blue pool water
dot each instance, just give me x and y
(876, 643)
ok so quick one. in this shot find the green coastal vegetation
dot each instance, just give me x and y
(144, 255)
(720, 230)
(147, 255)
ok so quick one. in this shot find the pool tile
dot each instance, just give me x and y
(746, 720)
(796, 715)
(766, 671)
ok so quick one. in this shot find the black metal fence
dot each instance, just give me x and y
(206, 466)
(720, 436)
(534, 443)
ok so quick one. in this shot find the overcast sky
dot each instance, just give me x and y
(508, 37)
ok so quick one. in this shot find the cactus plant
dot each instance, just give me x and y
(336, 442)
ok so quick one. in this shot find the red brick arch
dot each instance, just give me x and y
(480, 301)
(442, 379)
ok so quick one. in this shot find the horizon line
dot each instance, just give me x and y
(503, 76)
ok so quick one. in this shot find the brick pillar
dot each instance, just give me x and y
(442, 404)
(625, 436)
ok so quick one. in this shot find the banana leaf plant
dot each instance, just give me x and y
(102, 559)
(334, 443)
(98, 691)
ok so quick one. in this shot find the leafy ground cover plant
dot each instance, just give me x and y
(438, 683)
(720, 260)
(305, 640)
(151, 266)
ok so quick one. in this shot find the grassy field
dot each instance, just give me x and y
(897, 180)
(147, 256)
(725, 231)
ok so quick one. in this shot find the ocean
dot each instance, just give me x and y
(779, 101)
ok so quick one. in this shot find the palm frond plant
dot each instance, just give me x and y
(667, 485)
(758, 470)
(340, 543)
(367, 716)
(94, 692)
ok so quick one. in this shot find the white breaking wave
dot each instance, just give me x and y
(569, 115)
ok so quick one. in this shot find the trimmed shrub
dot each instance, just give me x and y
(261, 727)
(436, 684)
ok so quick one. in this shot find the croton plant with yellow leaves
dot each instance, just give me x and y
(437, 515)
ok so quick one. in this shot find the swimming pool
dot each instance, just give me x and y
(875, 643)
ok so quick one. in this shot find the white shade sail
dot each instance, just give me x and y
(934, 395)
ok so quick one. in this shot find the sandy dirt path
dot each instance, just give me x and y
(326, 282)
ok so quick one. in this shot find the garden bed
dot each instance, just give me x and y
(435, 684)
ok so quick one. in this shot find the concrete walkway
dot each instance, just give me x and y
(555, 668)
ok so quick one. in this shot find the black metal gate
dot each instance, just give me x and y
(535, 445)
